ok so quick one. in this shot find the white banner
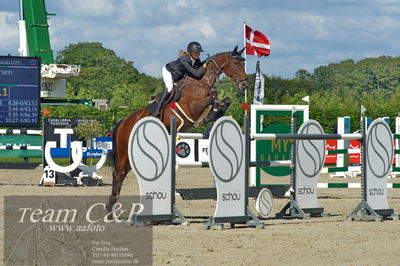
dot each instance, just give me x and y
(258, 86)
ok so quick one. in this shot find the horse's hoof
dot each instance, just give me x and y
(108, 208)
(227, 100)
(110, 217)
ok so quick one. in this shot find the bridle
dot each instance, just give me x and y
(219, 70)
(211, 77)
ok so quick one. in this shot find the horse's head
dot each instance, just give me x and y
(235, 69)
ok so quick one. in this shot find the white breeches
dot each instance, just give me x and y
(167, 77)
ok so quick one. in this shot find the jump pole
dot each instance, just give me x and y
(377, 158)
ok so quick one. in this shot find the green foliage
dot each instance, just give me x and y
(89, 130)
(101, 70)
(303, 74)
(227, 89)
(103, 75)
(80, 111)
(336, 89)
(134, 96)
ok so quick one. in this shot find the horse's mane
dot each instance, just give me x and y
(220, 54)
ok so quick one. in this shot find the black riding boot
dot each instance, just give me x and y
(160, 103)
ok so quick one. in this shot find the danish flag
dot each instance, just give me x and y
(256, 43)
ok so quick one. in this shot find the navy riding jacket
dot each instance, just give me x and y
(183, 66)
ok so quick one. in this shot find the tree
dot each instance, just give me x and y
(80, 111)
(336, 89)
(101, 69)
(303, 74)
(134, 96)
(89, 130)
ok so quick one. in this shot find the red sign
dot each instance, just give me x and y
(355, 158)
(331, 144)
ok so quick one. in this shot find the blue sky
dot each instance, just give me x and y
(303, 34)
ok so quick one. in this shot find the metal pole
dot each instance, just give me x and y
(194, 164)
(363, 160)
(246, 159)
(271, 163)
(245, 59)
(293, 159)
(21, 10)
(270, 136)
(244, 43)
(173, 159)
(191, 136)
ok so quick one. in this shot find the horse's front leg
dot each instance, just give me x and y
(225, 103)
(219, 109)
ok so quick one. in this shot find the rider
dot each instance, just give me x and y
(188, 63)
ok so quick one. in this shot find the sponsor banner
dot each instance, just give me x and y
(96, 152)
(59, 136)
(192, 150)
(331, 144)
(355, 158)
(21, 140)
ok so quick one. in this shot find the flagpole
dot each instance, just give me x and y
(245, 59)
(244, 43)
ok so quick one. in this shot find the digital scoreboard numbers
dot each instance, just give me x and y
(19, 91)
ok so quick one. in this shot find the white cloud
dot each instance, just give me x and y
(151, 33)
(205, 26)
(386, 24)
(9, 36)
(316, 22)
(89, 8)
(390, 9)
(153, 68)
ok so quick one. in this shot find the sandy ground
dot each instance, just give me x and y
(317, 241)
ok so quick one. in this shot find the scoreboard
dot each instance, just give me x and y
(19, 91)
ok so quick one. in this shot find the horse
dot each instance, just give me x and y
(197, 96)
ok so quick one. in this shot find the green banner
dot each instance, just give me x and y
(272, 150)
(277, 122)
(21, 140)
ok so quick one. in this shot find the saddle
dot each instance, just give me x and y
(174, 96)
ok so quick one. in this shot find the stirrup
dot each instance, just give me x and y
(156, 114)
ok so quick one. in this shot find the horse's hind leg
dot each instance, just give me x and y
(118, 179)
(116, 188)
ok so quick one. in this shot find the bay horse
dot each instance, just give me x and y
(197, 95)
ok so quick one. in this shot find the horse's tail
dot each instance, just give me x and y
(112, 155)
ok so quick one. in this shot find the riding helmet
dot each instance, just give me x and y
(194, 47)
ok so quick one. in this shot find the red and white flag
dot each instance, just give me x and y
(256, 43)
